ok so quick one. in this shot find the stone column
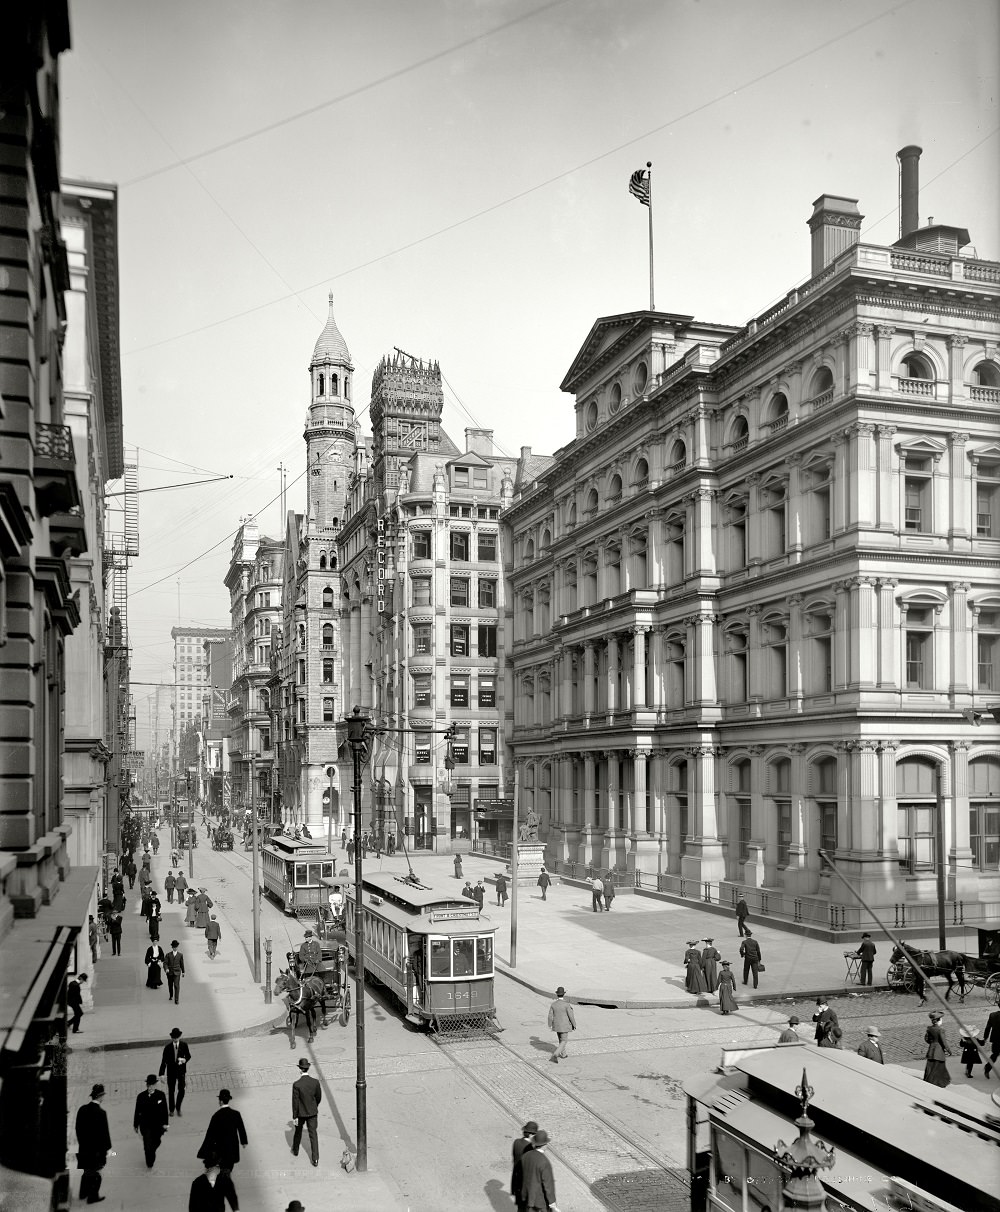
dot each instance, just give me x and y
(754, 539)
(961, 500)
(639, 668)
(643, 846)
(795, 652)
(964, 881)
(655, 551)
(862, 645)
(888, 635)
(841, 625)
(889, 840)
(658, 794)
(956, 369)
(755, 672)
(754, 869)
(590, 833)
(859, 356)
(701, 560)
(701, 647)
(959, 632)
(659, 694)
(793, 537)
(887, 511)
(839, 487)
(861, 461)
(608, 855)
(589, 678)
(883, 357)
(612, 703)
(703, 859)
(866, 803)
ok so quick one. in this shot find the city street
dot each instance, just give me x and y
(614, 1109)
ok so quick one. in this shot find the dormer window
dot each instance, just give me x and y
(461, 477)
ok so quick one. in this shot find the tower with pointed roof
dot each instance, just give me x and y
(329, 432)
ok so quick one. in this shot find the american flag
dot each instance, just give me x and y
(638, 185)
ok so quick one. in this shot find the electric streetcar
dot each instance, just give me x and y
(292, 872)
(430, 949)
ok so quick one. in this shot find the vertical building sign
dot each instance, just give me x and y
(380, 563)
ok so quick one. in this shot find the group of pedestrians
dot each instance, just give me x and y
(602, 892)
(532, 1182)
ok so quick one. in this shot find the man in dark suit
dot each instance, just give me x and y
(174, 1062)
(151, 1118)
(74, 999)
(173, 965)
(538, 1184)
(992, 1032)
(94, 1142)
(224, 1135)
(521, 1146)
(866, 954)
(211, 1191)
(306, 1098)
(828, 1031)
(115, 930)
(750, 950)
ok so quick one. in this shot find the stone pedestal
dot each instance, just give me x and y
(530, 861)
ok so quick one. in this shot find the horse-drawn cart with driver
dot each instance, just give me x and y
(969, 972)
(222, 838)
(316, 990)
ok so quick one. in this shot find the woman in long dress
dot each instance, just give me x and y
(189, 915)
(154, 957)
(727, 985)
(202, 904)
(936, 1068)
(695, 979)
(710, 963)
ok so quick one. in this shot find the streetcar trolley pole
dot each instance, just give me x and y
(357, 737)
(267, 969)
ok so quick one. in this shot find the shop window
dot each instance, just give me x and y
(421, 639)
(459, 688)
(422, 689)
(459, 640)
(487, 692)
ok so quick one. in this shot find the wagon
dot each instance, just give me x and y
(982, 971)
(222, 838)
(333, 971)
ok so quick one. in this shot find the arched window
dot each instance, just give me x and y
(916, 366)
(327, 635)
(777, 411)
(322, 560)
(615, 488)
(822, 382)
(986, 374)
(334, 386)
(824, 789)
(678, 456)
(741, 795)
(739, 433)
(546, 538)
(322, 383)
(781, 787)
(984, 813)
(328, 670)
(641, 478)
(591, 506)
(327, 596)
(529, 549)
(916, 812)
(571, 516)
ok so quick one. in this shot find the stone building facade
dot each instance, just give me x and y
(756, 597)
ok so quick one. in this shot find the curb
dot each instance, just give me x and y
(213, 1037)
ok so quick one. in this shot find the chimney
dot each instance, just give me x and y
(835, 225)
(480, 442)
(909, 189)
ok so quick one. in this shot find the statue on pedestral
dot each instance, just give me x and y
(528, 831)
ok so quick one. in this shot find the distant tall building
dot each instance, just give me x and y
(190, 683)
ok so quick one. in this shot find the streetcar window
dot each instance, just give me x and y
(440, 957)
(464, 952)
(484, 956)
(314, 870)
(328, 871)
(730, 1170)
(300, 875)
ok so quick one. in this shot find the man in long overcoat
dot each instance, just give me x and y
(173, 965)
(174, 1063)
(307, 1094)
(521, 1146)
(224, 1135)
(562, 1021)
(538, 1184)
(151, 1118)
(93, 1140)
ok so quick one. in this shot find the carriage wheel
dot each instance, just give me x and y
(992, 988)
(346, 1013)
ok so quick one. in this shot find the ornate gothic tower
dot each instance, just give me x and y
(407, 402)
(329, 433)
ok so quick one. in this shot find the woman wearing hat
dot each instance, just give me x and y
(727, 986)
(695, 980)
(936, 1068)
(191, 908)
(710, 963)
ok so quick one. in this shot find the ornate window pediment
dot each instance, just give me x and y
(922, 447)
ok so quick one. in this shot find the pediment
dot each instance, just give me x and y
(469, 459)
(922, 446)
(613, 334)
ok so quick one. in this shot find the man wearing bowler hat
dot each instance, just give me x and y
(790, 1035)
(521, 1146)
(538, 1184)
(151, 1118)
(174, 1062)
(306, 1098)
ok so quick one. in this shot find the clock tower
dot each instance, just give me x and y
(407, 402)
(329, 432)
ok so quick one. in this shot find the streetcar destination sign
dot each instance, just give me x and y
(451, 915)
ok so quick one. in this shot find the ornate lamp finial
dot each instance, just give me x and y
(804, 1158)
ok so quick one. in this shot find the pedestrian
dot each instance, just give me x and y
(93, 1139)
(828, 1032)
(151, 1118)
(970, 1053)
(307, 1094)
(173, 965)
(118, 901)
(117, 883)
(468, 892)
(742, 913)
(180, 878)
(866, 954)
(538, 1184)
(74, 999)
(343, 839)
(596, 894)
(710, 965)
(790, 1035)
(147, 858)
(213, 932)
(295, 1206)
(936, 1067)
(155, 956)
(694, 979)
(146, 904)
(115, 932)
(131, 871)
(92, 938)
(202, 904)
(155, 842)
(501, 889)
(174, 1063)
(224, 1135)
(390, 846)
(190, 910)
(562, 1021)
(871, 1049)
(211, 1191)
(609, 891)
(991, 1032)
(750, 950)
(521, 1146)
(479, 892)
(727, 989)
(169, 884)
(154, 923)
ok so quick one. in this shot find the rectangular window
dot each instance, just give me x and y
(421, 540)
(464, 957)
(784, 811)
(918, 666)
(487, 592)
(421, 589)
(460, 754)
(984, 835)
(421, 639)
(459, 645)
(328, 670)
(459, 591)
(460, 477)
(915, 823)
(422, 748)
(459, 691)
(486, 548)
(484, 956)
(823, 516)
(459, 544)
(421, 690)
(487, 640)
(917, 512)
(487, 692)
(988, 505)
(743, 812)
(828, 826)
(487, 746)
(441, 957)
(480, 477)
(987, 651)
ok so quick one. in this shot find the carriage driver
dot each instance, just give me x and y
(310, 954)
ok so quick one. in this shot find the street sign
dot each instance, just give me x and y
(134, 760)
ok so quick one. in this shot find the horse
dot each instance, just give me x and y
(949, 964)
(303, 998)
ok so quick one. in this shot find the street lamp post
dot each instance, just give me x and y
(267, 985)
(356, 728)
(256, 873)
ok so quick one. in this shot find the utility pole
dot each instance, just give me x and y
(256, 872)
(356, 727)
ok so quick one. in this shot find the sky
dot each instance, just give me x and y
(456, 173)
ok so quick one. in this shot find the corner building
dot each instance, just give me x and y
(756, 597)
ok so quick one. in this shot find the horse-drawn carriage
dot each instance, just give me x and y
(222, 838)
(969, 972)
(317, 992)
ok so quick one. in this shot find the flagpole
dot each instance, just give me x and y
(649, 166)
